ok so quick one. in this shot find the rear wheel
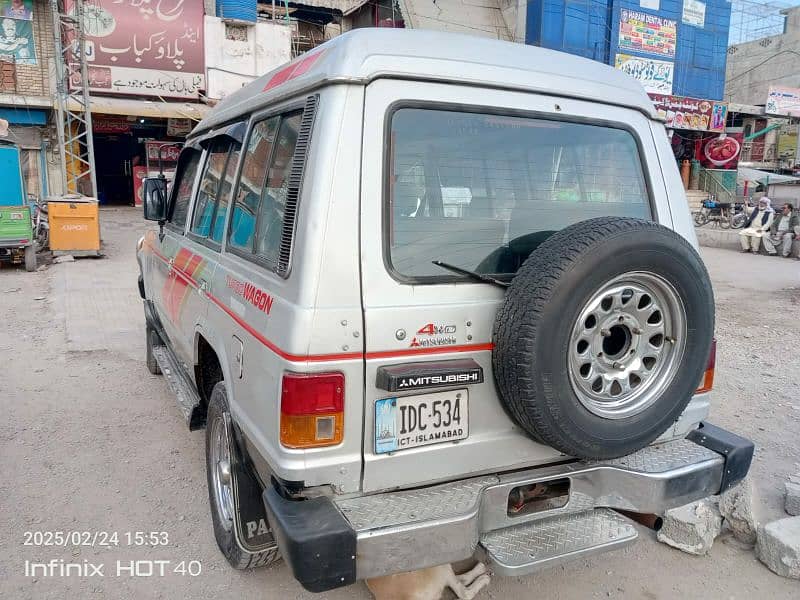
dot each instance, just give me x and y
(30, 258)
(221, 453)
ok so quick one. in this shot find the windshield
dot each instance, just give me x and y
(482, 191)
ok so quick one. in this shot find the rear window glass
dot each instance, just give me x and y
(482, 191)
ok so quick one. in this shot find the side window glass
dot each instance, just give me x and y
(273, 200)
(208, 191)
(226, 188)
(189, 161)
(251, 182)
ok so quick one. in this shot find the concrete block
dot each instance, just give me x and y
(778, 547)
(65, 258)
(736, 506)
(792, 504)
(692, 528)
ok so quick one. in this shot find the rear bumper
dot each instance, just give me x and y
(329, 543)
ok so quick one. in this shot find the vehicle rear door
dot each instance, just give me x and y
(461, 174)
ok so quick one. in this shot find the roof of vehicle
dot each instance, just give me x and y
(362, 55)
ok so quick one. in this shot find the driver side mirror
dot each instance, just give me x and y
(155, 199)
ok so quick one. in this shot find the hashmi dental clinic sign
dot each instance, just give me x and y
(144, 47)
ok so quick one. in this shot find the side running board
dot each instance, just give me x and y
(188, 399)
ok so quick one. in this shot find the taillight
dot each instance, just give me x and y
(312, 409)
(708, 377)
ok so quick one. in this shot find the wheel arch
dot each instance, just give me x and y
(210, 366)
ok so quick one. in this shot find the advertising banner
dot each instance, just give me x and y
(720, 152)
(139, 175)
(111, 124)
(783, 101)
(144, 47)
(654, 75)
(167, 151)
(787, 146)
(694, 13)
(17, 9)
(682, 112)
(179, 127)
(16, 38)
(646, 33)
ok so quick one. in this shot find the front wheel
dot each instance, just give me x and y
(700, 218)
(220, 456)
(30, 258)
(738, 220)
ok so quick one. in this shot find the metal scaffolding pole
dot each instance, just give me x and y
(72, 99)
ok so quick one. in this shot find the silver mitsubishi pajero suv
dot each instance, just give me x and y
(434, 297)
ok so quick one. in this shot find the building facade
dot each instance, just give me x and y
(26, 76)
(763, 82)
(673, 47)
(754, 67)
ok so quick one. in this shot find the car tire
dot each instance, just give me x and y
(603, 336)
(152, 340)
(30, 258)
(221, 448)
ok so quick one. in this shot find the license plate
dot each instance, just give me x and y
(411, 421)
(16, 216)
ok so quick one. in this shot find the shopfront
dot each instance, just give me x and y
(697, 131)
(129, 137)
(28, 128)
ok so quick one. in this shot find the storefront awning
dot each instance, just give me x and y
(147, 108)
(747, 174)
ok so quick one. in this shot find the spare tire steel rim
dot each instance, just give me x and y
(626, 345)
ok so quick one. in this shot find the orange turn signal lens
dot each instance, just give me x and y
(708, 377)
(312, 410)
(311, 431)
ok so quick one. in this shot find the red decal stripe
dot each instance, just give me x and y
(382, 354)
(294, 69)
(422, 351)
(276, 349)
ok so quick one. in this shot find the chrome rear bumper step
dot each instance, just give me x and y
(392, 532)
(445, 523)
(541, 544)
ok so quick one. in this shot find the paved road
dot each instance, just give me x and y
(90, 441)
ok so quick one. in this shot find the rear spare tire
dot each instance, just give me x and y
(603, 336)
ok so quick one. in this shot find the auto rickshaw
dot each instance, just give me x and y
(17, 244)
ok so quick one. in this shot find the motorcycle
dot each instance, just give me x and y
(41, 225)
(724, 214)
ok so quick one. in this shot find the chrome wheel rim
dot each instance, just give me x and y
(626, 345)
(221, 470)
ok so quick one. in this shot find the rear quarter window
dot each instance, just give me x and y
(482, 191)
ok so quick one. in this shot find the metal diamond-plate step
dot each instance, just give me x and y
(414, 506)
(662, 457)
(187, 398)
(541, 544)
